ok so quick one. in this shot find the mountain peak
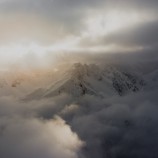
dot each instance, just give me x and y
(92, 79)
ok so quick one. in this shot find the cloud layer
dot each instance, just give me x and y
(48, 21)
(24, 135)
(89, 126)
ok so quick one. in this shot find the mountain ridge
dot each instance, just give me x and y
(91, 79)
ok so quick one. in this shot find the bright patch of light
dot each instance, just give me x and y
(104, 24)
(66, 44)
(13, 52)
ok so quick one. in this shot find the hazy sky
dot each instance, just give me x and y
(41, 26)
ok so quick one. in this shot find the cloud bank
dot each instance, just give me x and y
(24, 135)
(89, 126)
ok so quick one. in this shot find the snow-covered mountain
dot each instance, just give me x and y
(92, 79)
(80, 79)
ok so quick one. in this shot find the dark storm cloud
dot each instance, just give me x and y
(120, 129)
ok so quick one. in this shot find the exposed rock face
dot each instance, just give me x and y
(124, 82)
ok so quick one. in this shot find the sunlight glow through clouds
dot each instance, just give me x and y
(96, 26)
(105, 23)
(10, 54)
(15, 51)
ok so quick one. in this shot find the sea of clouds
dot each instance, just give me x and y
(85, 127)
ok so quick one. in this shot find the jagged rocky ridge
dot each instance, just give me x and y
(83, 79)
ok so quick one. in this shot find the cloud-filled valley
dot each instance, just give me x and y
(85, 125)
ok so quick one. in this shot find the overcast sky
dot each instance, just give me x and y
(41, 26)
